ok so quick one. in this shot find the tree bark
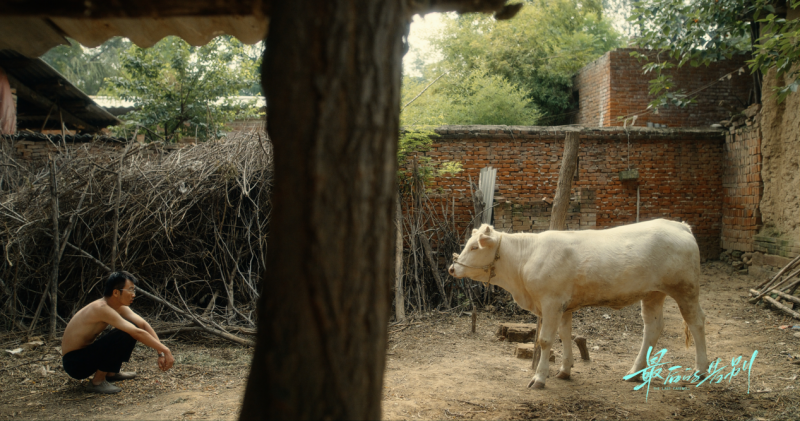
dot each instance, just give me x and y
(332, 78)
(399, 296)
(568, 164)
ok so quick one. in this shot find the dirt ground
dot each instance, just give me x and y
(438, 369)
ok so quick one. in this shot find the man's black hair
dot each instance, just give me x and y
(117, 281)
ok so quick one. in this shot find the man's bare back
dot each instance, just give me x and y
(84, 327)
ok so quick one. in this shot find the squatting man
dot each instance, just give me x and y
(84, 353)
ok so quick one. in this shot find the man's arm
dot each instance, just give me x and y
(165, 359)
(108, 315)
(131, 315)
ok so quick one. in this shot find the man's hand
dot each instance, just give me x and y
(165, 360)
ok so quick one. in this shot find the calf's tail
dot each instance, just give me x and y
(686, 334)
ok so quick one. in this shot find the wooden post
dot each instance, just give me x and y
(474, 318)
(426, 247)
(56, 251)
(399, 297)
(581, 342)
(568, 164)
(479, 205)
(560, 206)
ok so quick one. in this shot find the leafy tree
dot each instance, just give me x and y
(412, 142)
(179, 90)
(779, 47)
(539, 50)
(478, 98)
(705, 31)
(87, 68)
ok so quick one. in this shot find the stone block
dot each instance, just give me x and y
(517, 332)
(524, 351)
(775, 260)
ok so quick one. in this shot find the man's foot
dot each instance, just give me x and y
(122, 375)
(104, 387)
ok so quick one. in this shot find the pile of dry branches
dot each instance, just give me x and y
(431, 234)
(781, 287)
(190, 224)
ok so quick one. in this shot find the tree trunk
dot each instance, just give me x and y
(331, 75)
(568, 164)
(399, 296)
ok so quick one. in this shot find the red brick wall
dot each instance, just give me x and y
(613, 86)
(680, 176)
(593, 85)
(743, 186)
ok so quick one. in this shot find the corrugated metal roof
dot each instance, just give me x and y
(39, 84)
(33, 37)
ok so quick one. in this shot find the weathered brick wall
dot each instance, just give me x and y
(680, 176)
(743, 186)
(35, 151)
(613, 86)
(592, 85)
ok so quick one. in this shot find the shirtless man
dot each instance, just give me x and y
(84, 353)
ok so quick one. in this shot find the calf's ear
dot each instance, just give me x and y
(474, 231)
(485, 241)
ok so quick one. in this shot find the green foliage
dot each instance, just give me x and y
(87, 68)
(779, 47)
(479, 98)
(414, 143)
(538, 51)
(180, 90)
(431, 108)
(705, 31)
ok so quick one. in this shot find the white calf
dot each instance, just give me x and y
(555, 273)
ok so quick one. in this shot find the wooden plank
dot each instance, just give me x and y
(487, 182)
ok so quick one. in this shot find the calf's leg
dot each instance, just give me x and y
(565, 333)
(695, 318)
(653, 317)
(551, 319)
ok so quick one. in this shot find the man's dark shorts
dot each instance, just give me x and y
(106, 353)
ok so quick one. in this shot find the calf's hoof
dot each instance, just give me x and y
(562, 375)
(637, 379)
(536, 384)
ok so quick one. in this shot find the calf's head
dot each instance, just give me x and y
(479, 253)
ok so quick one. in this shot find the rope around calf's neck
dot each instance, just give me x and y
(486, 268)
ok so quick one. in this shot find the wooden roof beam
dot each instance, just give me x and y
(109, 9)
(27, 94)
